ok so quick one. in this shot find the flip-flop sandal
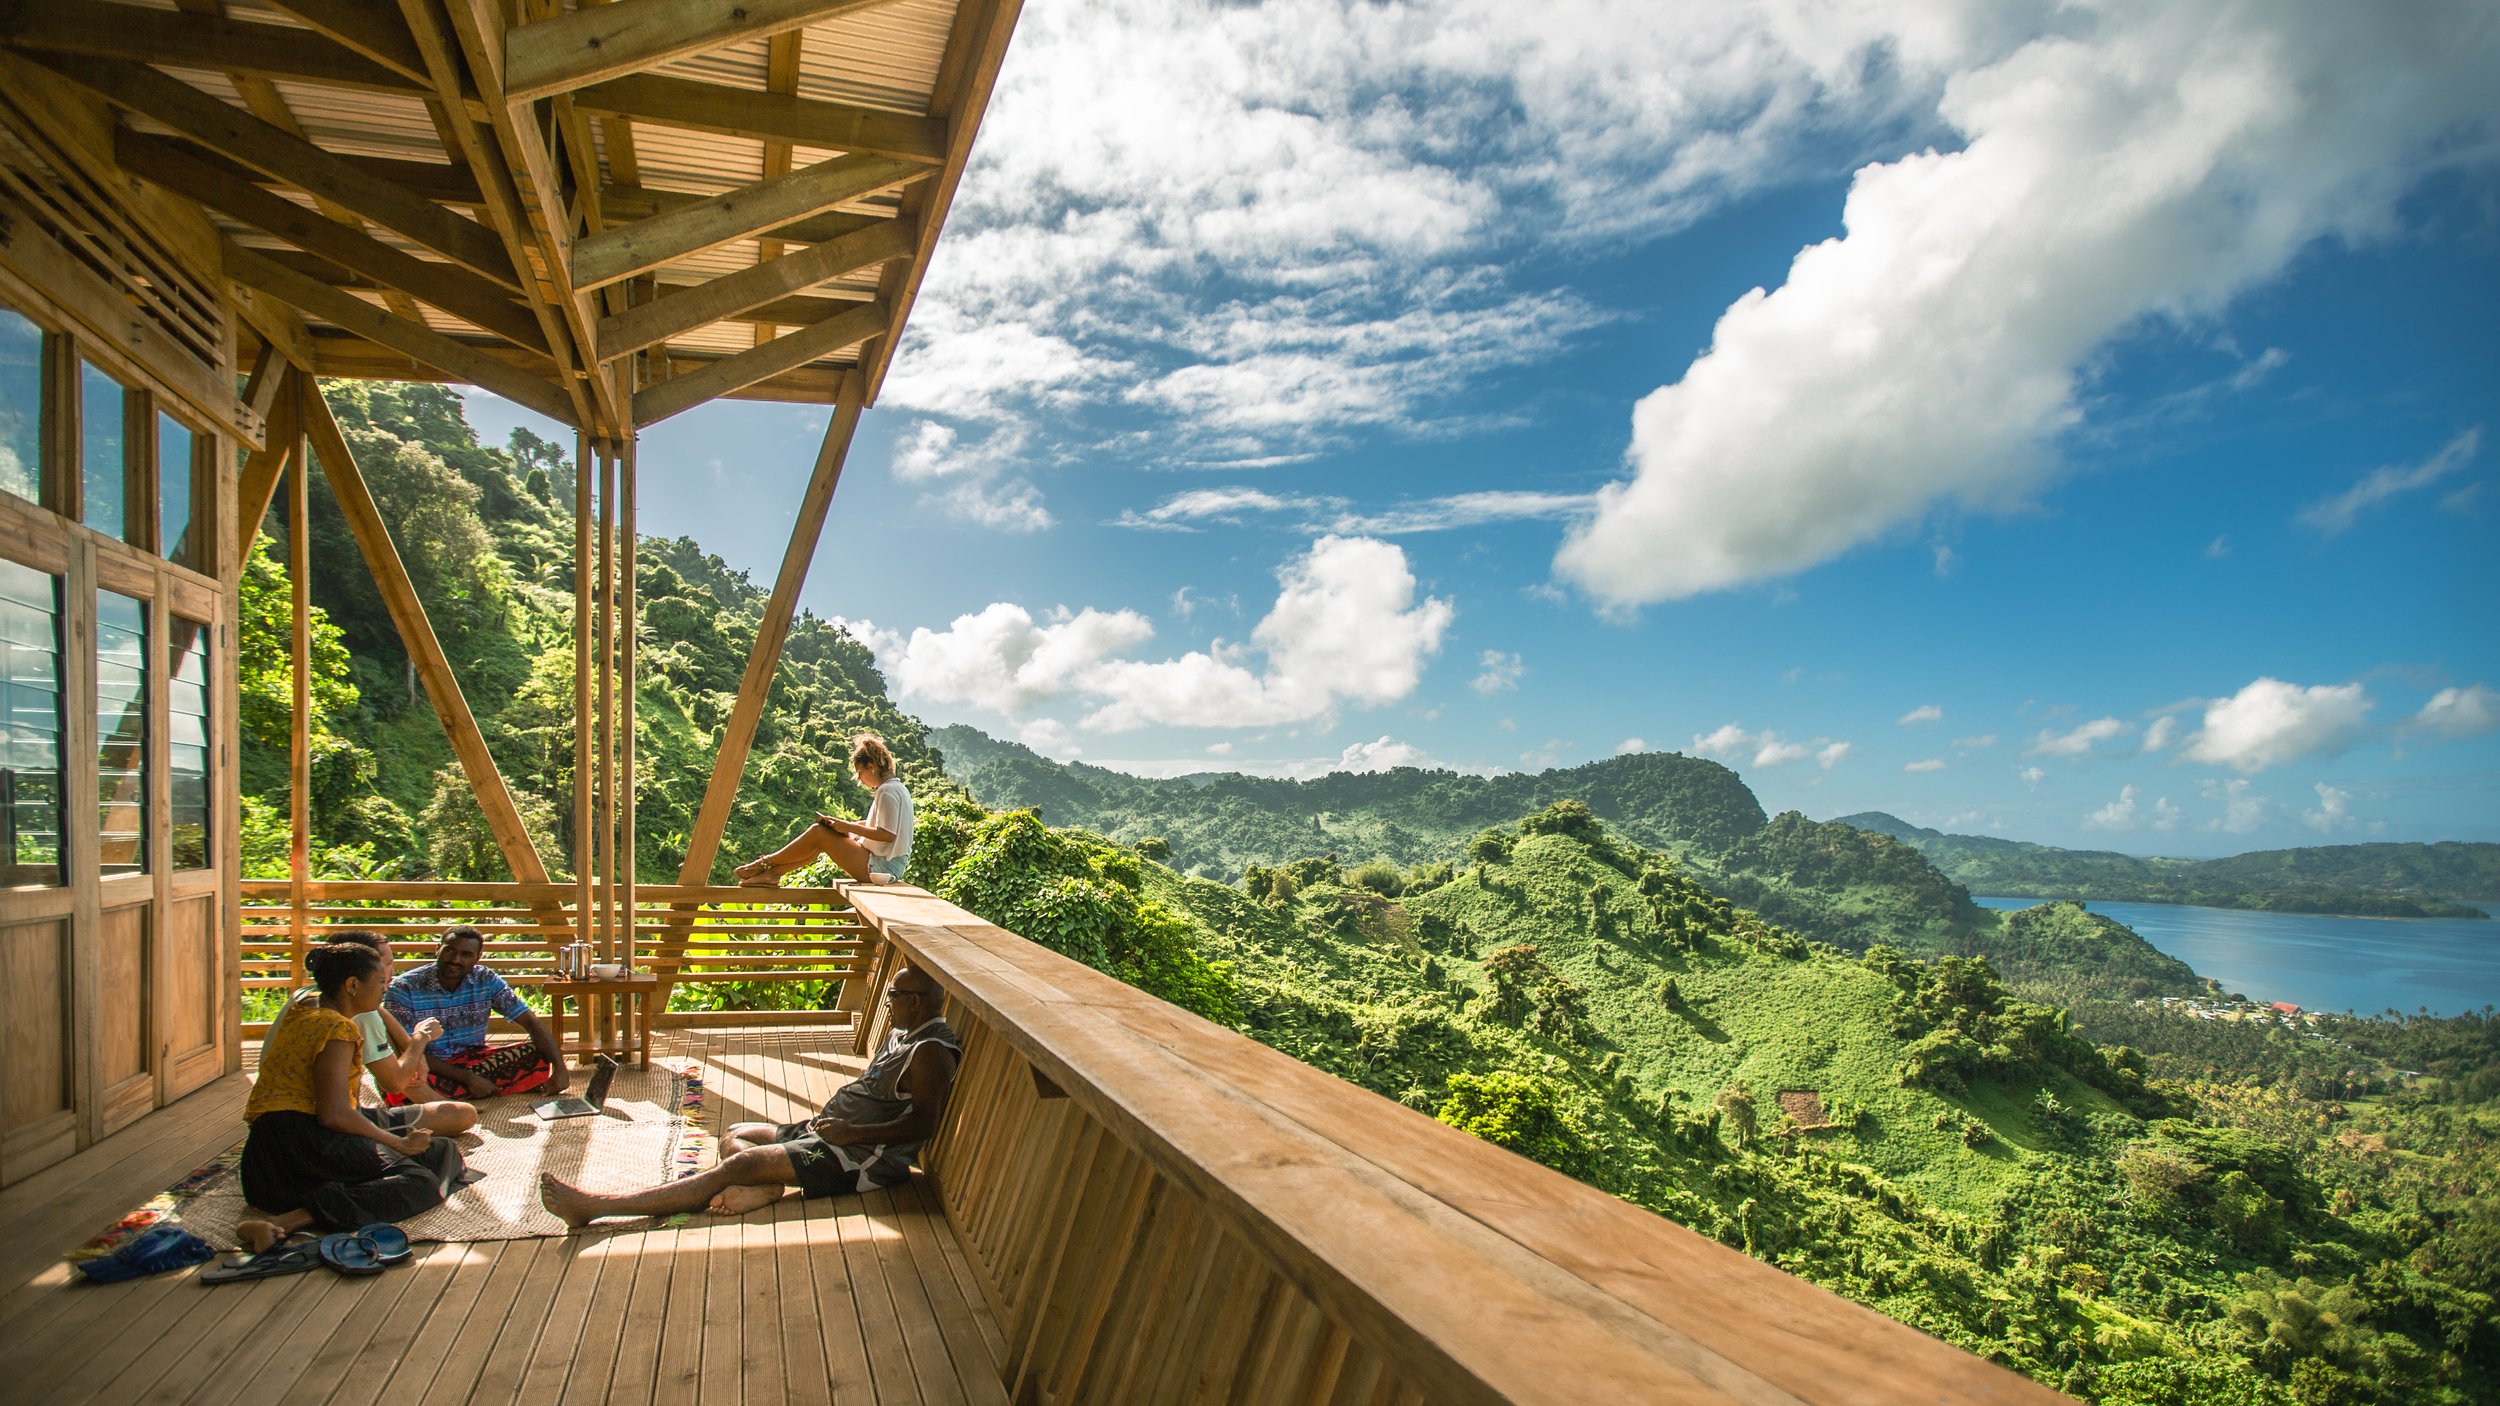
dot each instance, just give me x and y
(390, 1243)
(268, 1264)
(350, 1252)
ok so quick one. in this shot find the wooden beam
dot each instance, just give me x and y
(261, 388)
(585, 854)
(679, 311)
(629, 641)
(460, 360)
(786, 352)
(447, 286)
(267, 467)
(179, 40)
(271, 149)
(564, 52)
(341, 356)
(772, 632)
(299, 734)
(625, 250)
(425, 652)
(478, 144)
(364, 27)
(434, 180)
(626, 202)
(743, 112)
(554, 211)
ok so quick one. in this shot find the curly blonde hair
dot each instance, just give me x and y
(868, 750)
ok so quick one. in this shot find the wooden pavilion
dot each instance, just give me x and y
(613, 213)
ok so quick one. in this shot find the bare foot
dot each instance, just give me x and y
(258, 1235)
(570, 1204)
(738, 1200)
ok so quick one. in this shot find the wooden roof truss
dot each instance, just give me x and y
(608, 213)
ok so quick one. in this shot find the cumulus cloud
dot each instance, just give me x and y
(1732, 743)
(2458, 712)
(1498, 672)
(1383, 754)
(2117, 815)
(1346, 629)
(2271, 722)
(2076, 742)
(2241, 810)
(1193, 509)
(2163, 731)
(2032, 776)
(1630, 746)
(2141, 159)
(2330, 517)
(2334, 810)
(972, 479)
(1919, 767)
(2166, 815)
(1925, 713)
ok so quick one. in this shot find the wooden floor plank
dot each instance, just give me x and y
(767, 1307)
(562, 1335)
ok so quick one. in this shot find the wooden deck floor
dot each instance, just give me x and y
(867, 1299)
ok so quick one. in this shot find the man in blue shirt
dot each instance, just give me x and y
(461, 994)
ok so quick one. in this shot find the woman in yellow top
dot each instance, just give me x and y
(313, 1158)
(392, 1054)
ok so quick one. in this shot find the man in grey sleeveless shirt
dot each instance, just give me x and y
(865, 1136)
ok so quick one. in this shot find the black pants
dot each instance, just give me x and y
(292, 1163)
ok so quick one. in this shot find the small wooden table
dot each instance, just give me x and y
(634, 992)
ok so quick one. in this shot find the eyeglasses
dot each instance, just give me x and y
(898, 993)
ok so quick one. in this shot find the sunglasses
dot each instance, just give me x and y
(898, 994)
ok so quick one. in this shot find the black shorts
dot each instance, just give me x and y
(816, 1166)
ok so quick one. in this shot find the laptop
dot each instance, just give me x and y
(593, 1100)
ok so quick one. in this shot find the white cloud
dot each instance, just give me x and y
(1188, 510)
(2331, 517)
(1925, 713)
(2117, 815)
(2218, 548)
(1500, 672)
(1382, 755)
(2141, 159)
(2032, 776)
(1930, 764)
(1346, 629)
(2334, 810)
(1976, 744)
(1629, 746)
(1050, 737)
(2158, 737)
(2459, 712)
(2241, 811)
(1730, 742)
(2077, 742)
(974, 481)
(2271, 722)
(2165, 815)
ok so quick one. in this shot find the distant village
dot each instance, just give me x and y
(2282, 1013)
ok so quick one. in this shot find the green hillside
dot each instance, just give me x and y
(2374, 881)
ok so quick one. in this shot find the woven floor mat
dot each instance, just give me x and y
(651, 1131)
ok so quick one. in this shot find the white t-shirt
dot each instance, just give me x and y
(889, 809)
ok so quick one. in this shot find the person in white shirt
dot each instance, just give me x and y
(873, 850)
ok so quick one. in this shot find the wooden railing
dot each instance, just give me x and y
(693, 936)
(1160, 1209)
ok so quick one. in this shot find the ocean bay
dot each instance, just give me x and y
(2365, 965)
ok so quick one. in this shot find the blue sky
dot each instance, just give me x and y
(2074, 423)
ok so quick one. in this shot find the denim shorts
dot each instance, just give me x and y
(888, 868)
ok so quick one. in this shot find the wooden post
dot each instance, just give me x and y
(629, 613)
(607, 704)
(772, 631)
(299, 738)
(583, 860)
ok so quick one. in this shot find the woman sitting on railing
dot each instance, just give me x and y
(313, 1158)
(393, 1054)
(873, 850)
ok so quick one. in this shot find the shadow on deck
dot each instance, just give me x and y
(858, 1300)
